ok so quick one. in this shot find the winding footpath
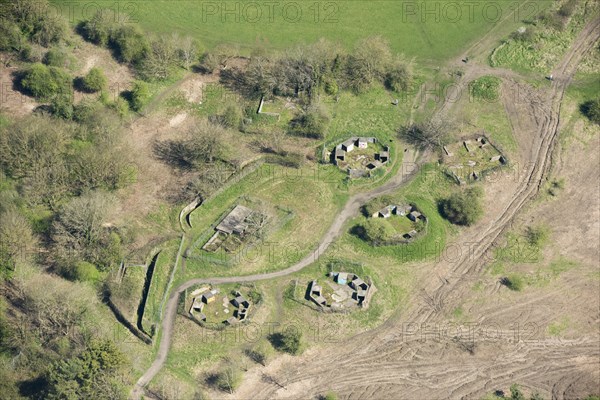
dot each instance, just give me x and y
(408, 169)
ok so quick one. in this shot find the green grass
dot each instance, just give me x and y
(313, 202)
(559, 327)
(428, 187)
(281, 25)
(547, 46)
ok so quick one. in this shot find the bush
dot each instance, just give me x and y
(289, 341)
(44, 82)
(140, 94)
(331, 86)
(377, 231)
(56, 57)
(330, 396)
(536, 236)
(121, 106)
(130, 44)
(463, 208)
(94, 81)
(232, 117)
(591, 109)
(100, 28)
(311, 124)
(82, 271)
(398, 77)
(513, 282)
(62, 106)
(228, 379)
(11, 38)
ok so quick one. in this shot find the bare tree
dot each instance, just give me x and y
(188, 51)
(429, 134)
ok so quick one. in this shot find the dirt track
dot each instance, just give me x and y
(408, 169)
(391, 363)
(405, 359)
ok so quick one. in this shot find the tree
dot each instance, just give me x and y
(202, 146)
(94, 81)
(56, 57)
(312, 123)
(188, 52)
(100, 29)
(79, 232)
(228, 378)
(130, 43)
(232, 117)
(36, 20)
(161, 58)
(140, 94)
(17, 241)
(464, 207)
(368, 63)
(430, 134)
(87, 375)
(398, 76)
(44, 82)
(289, 341)
(591, 109)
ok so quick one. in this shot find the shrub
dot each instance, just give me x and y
(463, 208)
(311, 124)
(378, 231)
(131, 44)
(536, 236)
(567, 9)
(100, 28)
(515, 392)
(289, 341)
(331, 86)
(56, 57)
(82, 271)
(591, 109)
(44, 82)
(330, 396)
(227, 379)
(140, 94)
(513, 282)
(232, 117)
(11, 38)
(62, 106)
(398, 77)
(94, 81)
(121, 106)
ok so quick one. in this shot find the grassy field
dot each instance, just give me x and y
(434, 32)
(547, 44)
(313, 201)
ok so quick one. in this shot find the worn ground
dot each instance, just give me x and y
(420, 354)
